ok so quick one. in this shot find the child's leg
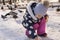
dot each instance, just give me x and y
(31, 34)
(36, 38)
(41, 31)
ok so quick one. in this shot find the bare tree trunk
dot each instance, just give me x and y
(10, 2)
(13, 1)
(59, 0)
(0, 1)
(3, 2)
(39, 0)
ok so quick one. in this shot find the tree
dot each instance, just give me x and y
(39, 0)
(10, 2)
(14, 1)
(59, 0)
(3, 2)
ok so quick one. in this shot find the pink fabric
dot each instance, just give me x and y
(27, 32)
(42, 26)
(39, 27)
(35, 26)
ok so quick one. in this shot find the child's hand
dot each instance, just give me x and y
(38, 16)
(47, 19)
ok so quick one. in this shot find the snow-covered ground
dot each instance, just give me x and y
(12, 29)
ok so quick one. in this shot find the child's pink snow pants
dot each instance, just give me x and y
(40, 27)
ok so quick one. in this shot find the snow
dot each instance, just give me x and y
(11, 29)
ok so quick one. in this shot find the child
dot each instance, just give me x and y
(41, 30)
(40, 27)
(29, 23)
(40, 10)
